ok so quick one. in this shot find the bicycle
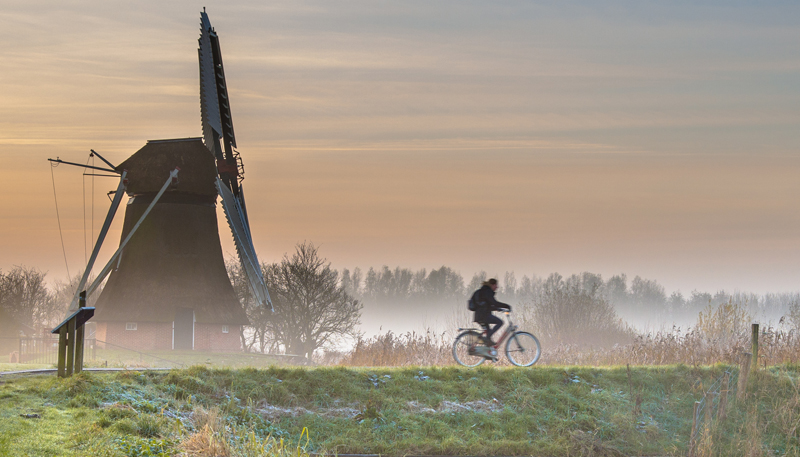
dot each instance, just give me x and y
(522, 348)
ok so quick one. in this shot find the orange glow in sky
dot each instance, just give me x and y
(651, 139)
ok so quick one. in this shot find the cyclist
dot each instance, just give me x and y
(487, 304)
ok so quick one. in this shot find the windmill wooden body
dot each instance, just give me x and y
(168, 287)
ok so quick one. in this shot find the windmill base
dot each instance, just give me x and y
(159, 336)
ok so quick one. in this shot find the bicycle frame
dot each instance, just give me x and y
(508, 331)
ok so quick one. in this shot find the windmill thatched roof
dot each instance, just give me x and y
(150, 166)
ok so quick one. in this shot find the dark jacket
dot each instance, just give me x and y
(486, 295)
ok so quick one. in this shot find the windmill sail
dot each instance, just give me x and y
(220, 140)
(243, 242)
(209, 103)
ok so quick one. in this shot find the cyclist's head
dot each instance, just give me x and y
(491, 283)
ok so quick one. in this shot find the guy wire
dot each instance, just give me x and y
(91, 223)
(83, 181)
(58, 218)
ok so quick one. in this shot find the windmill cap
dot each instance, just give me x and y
(151, 165)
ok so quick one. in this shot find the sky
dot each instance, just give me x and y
(659, 139)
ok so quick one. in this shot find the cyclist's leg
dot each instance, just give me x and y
(492, 319)
(485, 332)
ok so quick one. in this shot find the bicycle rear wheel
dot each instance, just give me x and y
(523, 349)
(464, 349)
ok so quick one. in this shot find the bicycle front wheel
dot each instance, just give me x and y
(464, 349)
(523, 349)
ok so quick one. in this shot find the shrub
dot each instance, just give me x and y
(571, 312)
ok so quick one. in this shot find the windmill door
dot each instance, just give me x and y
(183, 329)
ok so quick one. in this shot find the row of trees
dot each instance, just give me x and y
(318, 306)
(633, 299)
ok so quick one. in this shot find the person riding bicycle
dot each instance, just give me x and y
(487, 304)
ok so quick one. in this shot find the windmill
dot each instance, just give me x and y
(167, 284)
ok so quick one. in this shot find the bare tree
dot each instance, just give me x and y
(64, 291)
(25, 302)
(794, 314)
(477, 280)
(25, 297)
(257, 336)
(311, 306)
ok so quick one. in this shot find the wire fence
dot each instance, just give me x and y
(40, 349)
(712, 408)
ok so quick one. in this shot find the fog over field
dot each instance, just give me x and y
(401, 300)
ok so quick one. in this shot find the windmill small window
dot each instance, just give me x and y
(224, 329)
(130, 326)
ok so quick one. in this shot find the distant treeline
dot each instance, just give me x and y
(634, 300)
(409, 299)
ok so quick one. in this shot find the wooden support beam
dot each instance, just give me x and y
(62, 351)
(79, 349)
(79, 335)
(71, 333)
(70, 347)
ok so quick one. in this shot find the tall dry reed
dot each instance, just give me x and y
(692, 347)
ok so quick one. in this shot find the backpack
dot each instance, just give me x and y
(475, 302)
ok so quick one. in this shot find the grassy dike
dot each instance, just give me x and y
(546, 411)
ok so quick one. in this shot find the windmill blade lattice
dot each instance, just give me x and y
(219, 138)
(244, 243)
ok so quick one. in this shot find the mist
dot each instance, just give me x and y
(403, 300)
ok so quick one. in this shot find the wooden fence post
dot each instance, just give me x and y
(693, 435)
(744, 371)
(754, 348)
(723, 399)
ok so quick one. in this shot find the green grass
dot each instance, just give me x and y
(23, 366)
(546, 411)
(122, 358)
(179, 359)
